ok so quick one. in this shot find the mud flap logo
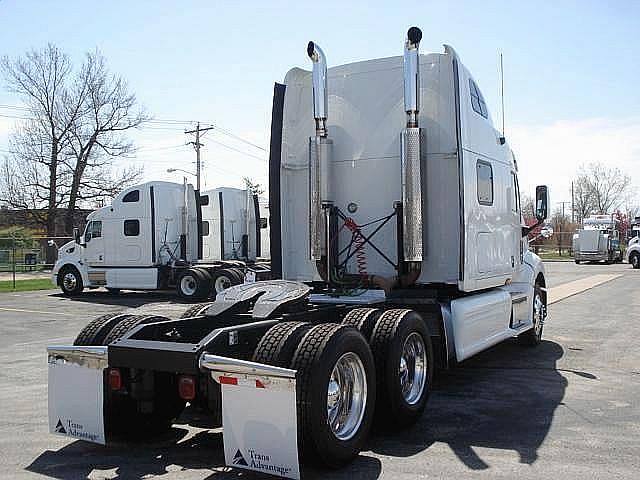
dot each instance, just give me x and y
(60, 428)
(238, 459)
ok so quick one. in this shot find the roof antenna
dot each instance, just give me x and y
(502, 92)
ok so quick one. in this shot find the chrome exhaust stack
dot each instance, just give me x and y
(320, 156)
(411, 140)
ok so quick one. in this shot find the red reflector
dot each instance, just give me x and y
(115, 379)
(229, 380)
(259, 384)
(187, 387)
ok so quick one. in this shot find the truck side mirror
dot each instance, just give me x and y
(542, 202)
(76, 236)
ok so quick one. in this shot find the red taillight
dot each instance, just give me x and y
(187, 387)
(115, 379)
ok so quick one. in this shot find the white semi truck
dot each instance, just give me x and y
(161, 235)
(396, 228)
(598, 240)
(632, 253)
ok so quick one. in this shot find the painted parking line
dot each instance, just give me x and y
(7, 309)
(569, 289)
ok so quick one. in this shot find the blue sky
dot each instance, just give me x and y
(571, 69)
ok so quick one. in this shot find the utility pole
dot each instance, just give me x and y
(197, 146)
(572, 205)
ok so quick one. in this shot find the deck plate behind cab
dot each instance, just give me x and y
(271, 294)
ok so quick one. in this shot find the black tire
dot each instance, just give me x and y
(195, 310)
(279, 343)
(129, 323)
(533, 336)
(96, 330)
(221, 280)
(113, 291)
(239, 274)
(314, 360)
(388, 339)
(363, 319)
(70, 281)
(634, 260)
(192, 284)
(122, 415)
(577, 262)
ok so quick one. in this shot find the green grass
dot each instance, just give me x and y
(26, 285)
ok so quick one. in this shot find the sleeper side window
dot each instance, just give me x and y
(204, 200)
(484, 173)
(131, 228)
(132, 196)
(205, 229)
(477, 102)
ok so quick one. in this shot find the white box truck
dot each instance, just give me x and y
(162, 235)
(397, 232)
(598, 240)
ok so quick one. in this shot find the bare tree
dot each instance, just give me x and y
(96, 139)
(583, 201)
(254, 188)
(63, 153)
(528, 207)
(605, 187)
(42, 79)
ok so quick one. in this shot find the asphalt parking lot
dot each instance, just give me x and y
(567, 409)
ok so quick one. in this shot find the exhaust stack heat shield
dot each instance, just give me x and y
(411, 140)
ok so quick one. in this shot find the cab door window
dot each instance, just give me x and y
(93, 230)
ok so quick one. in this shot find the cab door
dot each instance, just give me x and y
(94, 250)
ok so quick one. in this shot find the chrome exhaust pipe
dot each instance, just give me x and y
(319, 75)
(320, 156)
(411, 140)
(411, 69)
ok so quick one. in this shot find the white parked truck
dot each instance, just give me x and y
(632, 253)
(396, 229)
(598, 240)
(161, 235)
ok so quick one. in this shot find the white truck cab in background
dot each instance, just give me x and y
(152, 234)
(632, 254)
(598, 240)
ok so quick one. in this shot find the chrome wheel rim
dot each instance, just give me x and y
(188, 285)
(346, 396)
(222, 283)
(69, 281)
(538, 315)
(413, 368)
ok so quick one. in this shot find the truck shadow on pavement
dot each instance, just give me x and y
(503, 398)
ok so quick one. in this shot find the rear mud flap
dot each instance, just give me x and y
(258, 415)
(76, 392)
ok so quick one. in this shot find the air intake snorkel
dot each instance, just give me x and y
(320, 151)
(411, 140)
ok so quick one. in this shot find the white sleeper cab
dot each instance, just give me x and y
(398, 248)
(161, 235)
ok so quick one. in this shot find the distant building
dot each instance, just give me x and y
(13, 217)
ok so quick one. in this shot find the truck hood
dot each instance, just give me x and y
(69, 249)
